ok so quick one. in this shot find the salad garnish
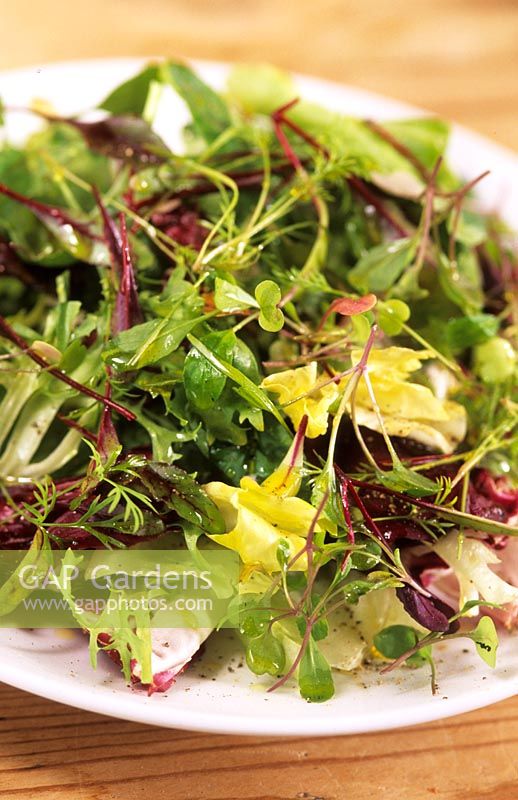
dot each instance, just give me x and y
(294, 337)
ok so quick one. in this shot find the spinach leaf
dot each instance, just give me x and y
(210, 114)
(382, 266)
(203, 382)
(465, 332)
(246, 388)
(130, 97)
(148, 342)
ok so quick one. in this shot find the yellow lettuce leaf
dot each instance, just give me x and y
(408, 409)
(259, 516)
(257, 521)
(297, 383)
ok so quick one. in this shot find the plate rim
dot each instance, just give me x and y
(426, 711)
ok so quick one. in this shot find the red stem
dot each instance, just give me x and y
(9, 333)
(359, 186)
(402, 149)
(297, 660)
(280, 116)
(70, 423)
(457, 205)
(349, 483)
(344, 494)
(428, 215)
(45, 210)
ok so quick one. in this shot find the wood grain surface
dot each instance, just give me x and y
(456, 57)
(51, 752)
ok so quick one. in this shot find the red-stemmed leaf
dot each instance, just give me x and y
(347, 488)
(126, 311)
(8, 332)
(124, 137)
(112, 235)
(349, 306)
(344, 495)
(48, 214)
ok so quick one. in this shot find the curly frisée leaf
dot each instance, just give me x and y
(408, 408)
(258, 519)
(301, 395)
(265, 521)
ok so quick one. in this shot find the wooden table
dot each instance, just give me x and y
(457, 57)
(51, 752)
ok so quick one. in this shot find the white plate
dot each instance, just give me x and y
(217, 693)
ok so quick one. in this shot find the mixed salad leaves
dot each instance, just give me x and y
(294, 339)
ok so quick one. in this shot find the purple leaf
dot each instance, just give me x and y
(490, 498)
(107, 439)
(430, 612)
(126, 137)
(126, 312)
(397, 530)
(111, 234)
(183, 226)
